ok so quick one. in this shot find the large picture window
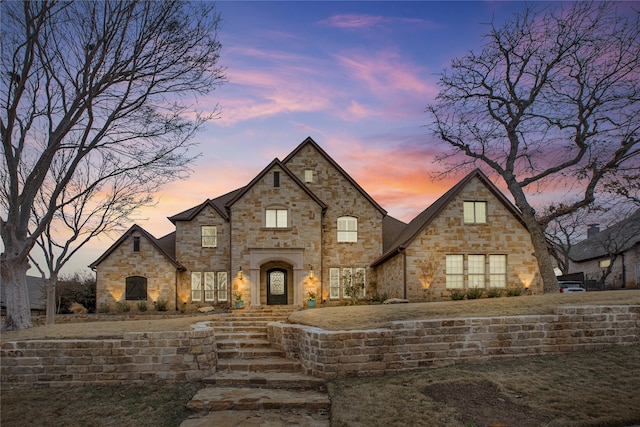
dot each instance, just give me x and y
(136, 288)
(341, 279)
(276, 218)
(475, 212)
(209, 286)
(347, 229)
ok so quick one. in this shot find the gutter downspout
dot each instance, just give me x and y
(230, 279)
(176, 289)
(404, 272)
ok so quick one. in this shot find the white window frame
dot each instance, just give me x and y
(454, 271)
(475, 212)
(209, 286)
(498, 271)
(334, 283)
(361, 279)
(347, 229)
(476, 271)
(276, 218)
(209, 236)
(347, 277)
(196, 286)
(223, 286)
(308, 176)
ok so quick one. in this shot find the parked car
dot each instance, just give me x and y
(569, 287)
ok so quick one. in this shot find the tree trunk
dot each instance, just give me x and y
(51, 300)
(538, 238)
(16, 294)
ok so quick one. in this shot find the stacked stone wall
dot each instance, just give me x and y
(418, 344)
(137, 357)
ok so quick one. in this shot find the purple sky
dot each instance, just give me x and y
(355, 76)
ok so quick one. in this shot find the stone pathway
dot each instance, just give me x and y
(255, 385)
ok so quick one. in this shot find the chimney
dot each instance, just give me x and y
(593, 230)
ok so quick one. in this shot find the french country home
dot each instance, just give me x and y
(303, 226)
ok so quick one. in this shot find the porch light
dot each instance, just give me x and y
(311, 273)
(240, 275)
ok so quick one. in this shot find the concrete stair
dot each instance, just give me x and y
(255, 385)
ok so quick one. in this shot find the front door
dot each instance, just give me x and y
(277, 287)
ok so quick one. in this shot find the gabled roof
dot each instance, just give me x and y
(420, 222)
(616, 239)
(311, 142)
(266, 170)
(165, 245)
(218, 204)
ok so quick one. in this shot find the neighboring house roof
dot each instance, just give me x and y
(165, 245)
(37, 293)
(310, 141)
(420, 222)
(266, 170)
(616, 239)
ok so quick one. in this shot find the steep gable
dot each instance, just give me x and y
(420, 222)
(165, 245)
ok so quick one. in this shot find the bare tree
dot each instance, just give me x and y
(551, 101)
(563, 232)
(93, 87)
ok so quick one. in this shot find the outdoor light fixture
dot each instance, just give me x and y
(240, 275)
(311, 274)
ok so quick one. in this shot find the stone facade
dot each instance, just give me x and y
(328, 234)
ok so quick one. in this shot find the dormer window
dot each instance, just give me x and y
(475, 212)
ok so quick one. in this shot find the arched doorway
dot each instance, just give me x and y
(277, 286)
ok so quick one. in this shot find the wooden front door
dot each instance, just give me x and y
(277, 287)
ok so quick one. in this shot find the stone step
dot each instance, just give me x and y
(280, 418)
(252, 399)
(236, 323)
(249, 353)
(279, 380)
(227, 329)
(234, 342)
(222, 336)
(267, 364)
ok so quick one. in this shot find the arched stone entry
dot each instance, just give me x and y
(290, 260)
(278, 287)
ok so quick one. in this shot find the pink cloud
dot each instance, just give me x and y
(355, 21)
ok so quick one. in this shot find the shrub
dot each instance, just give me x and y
(104, 307)
(122, 306)
(379, 298)
(78, 308)
(80, 288)
(141, 305)
(516, 291)
(457, 294)
(474, 293)
(160, 305)
(494, 293)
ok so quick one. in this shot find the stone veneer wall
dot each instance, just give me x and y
(138, 357)
(417, 344)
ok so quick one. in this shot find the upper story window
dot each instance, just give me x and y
(347, 229)
(276, 218)
(136, 243)
(209, 236)
(308, 176)
(475, 212)
(276, 179)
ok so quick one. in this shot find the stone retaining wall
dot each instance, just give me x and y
(138, 357)
(417, 344)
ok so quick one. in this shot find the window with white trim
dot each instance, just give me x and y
(209, 236)
(308, 176)
(347, 229)
(455, 271)
(604, 263)
(196, 286)
(476, 270)
(498, 271)
(340, 279)
(209, 286)
(475, 212)
(276, 218)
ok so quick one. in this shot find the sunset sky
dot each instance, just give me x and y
(354, 76)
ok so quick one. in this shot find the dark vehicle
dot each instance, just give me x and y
(567, 287)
